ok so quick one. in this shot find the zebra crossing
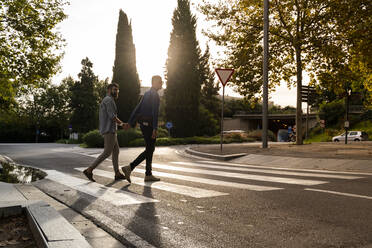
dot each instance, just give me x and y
(205, 173)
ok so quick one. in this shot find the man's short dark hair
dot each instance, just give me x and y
(110, 86)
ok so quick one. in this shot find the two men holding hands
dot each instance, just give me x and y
(145, 113)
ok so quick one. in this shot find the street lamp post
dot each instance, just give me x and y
(265, 75)
(347, 123)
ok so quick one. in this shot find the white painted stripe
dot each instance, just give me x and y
(94, 155)
(116, 197)
(211, 181)
(117, 228)
(285, 168)
(175, 188)
(269, 171)
(285, 180)
(340, 193)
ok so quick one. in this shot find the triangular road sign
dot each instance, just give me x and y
(224, 75)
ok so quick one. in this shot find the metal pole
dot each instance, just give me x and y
(223, 100)
(265, 75)
(347, 114)
(307, 114)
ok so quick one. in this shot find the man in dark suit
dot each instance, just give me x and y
(146, 114)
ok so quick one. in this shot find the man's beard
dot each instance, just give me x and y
(114, 95)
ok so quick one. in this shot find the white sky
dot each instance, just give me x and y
(90, 31)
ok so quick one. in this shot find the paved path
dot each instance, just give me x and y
(209, 203)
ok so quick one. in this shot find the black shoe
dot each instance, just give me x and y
(127, 171)
(89, 175)
(119, 176)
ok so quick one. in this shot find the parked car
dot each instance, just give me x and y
(351, 136)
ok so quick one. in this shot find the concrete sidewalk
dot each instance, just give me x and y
(355, 156)
(27, 194)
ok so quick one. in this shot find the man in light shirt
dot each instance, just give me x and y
(108, 122)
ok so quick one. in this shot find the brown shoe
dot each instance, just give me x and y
(151, 178)
(127, 171)
(89, 175)
(119, 176)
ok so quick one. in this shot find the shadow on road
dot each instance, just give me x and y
(146, 222)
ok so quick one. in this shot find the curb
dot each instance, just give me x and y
(68, 236)
(214, 156)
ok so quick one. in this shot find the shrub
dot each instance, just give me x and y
(137, 142)
(162, 132)
(93, 139)
(127, 136)
(207, 124)
(330, 132)
(331, 112)
(257, 135)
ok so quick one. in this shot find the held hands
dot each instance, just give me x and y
(125, 126)
(154, 134)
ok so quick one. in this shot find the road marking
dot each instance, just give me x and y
(211, 181)
(340, 193)
(116, 197)
(118, 229)
(285, 168)
(269, 171)
(241, 176)
(175, 188)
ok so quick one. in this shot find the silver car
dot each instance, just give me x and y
(351, 136)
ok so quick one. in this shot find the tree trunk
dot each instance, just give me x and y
(299, 96)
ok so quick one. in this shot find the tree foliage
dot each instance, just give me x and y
(125, 70)
(183, 73)
(209, 88)
(346, 57)
(300, 34)
(84, 99)
(29, 44)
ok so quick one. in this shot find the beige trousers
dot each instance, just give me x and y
(111, 146)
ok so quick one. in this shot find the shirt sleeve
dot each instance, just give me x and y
(155, 110)
(132, 118)
(111, 108)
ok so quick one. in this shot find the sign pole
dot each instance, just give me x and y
(307, 114)
(265, 87)
(224, 76)
(223, 101)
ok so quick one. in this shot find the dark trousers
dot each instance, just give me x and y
(147, 154)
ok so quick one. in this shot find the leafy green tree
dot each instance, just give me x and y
(233, 106)
(56, 100)
(297, 30)
(125, 70)
(84, 100)
(208, 123)
(276, 109)
(183, 73)
(209, 88)
(29, 44)
(331, 112)
(346, 58)
(101, 88)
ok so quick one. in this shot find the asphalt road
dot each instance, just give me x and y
(205, 203)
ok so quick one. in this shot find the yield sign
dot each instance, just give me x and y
(224, 75)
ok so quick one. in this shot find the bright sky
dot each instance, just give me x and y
(90, 31)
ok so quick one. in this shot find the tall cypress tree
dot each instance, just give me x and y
(210, 88)
(84, 100)
(183, 73)
(125, 71)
